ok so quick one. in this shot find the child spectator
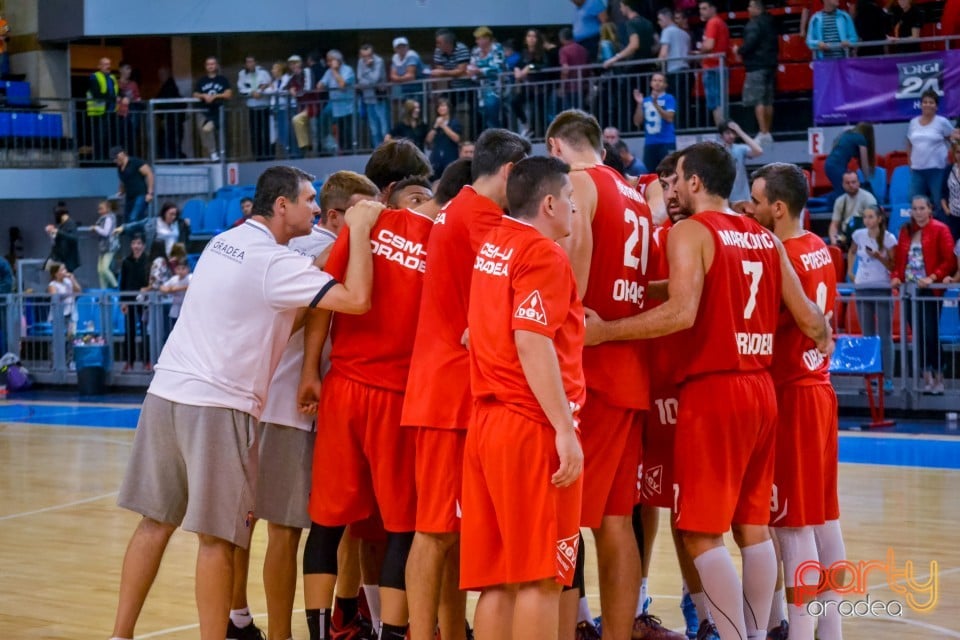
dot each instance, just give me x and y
(108, 243)
(63, 285)
(177, 285)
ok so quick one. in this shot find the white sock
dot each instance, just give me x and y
(831, 549)
(583, 611)
(797, 546)
(721, 586)
(241, 617)
(801, 622)
(759, 581)
(777, 609)
(700, 601)
(642, 600)
(372, 592)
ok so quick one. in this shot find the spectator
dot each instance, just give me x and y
(716, 40)
(631, 163)
(167, 228)
(531, 85)
(948, 280)
(759, 54)
(129, 107)
(831, 32)
(729, 132)
(313, 69)
(246, 211)
(611, 158)
(467, 149)
(6, 278)
(486, 65)
(301, 89)
(4, 53)
(609, 43)
(280, 106)
(64, 287)
(444, 138)
(848, 209)
(572, 54)
(640, 41)
(511, 57)
(611, 135)
(871, 23)
(924, 257)
(853, 144)
(410, 126)
(135, 279)
(212, 90)
(587, 18)
(136, 184)
(372, 81)
(63, 235)
(340, 109)
(950, 202)
(102, 91)
(406, 68)
(905, 22)
(927, 144)
(108, 243)
(872, 250)
(450, 61)
(253, 83)
(177, 286)
(674, 49)
(656, 112)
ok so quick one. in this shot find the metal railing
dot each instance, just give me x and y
(898, 46)
(184, 131)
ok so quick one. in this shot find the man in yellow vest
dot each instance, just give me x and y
(101, 109)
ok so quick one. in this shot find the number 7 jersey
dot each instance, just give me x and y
(618, 371)
(738, 312)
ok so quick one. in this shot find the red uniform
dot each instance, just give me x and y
(723, 458)
(616, 372)
(805, 471)
(645, 181)
(438, 389)
(517, 526)
(655, 477)
(363, 459)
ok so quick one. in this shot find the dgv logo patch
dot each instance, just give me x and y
(532, 309)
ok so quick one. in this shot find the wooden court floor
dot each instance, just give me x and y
(62, 539)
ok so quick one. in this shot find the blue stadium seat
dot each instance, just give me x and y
(234, 212)
(214, 217)
(950, 318)
(900, 184)
(192, 259)
(856, 356)
(88, 314)
(246, 191)
(192, 212)
(879, 183)
(899, 215)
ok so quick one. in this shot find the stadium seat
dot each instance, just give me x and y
(794, 77)
(820, 183)
(839, 261)
(950, 318)
(793, 48)
(214, 217)
(192, 212)
(737, 77)
(861, 356)
(900, 184)
(88, 314)
(893, 160)
(234, 213)
(879, 183)
(898, 215)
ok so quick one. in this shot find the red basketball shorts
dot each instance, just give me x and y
(655, 483)
(517, 526)
(439, 468)
(612, 439)
(362, 460)
(805, 471)
(723, 459)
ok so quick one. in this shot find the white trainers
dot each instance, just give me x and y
(764, 139)
(215, 157)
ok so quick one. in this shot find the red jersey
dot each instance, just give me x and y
(796, 358)
(645, 181)
(523, 280)
(438, 389)
(663, 358)
(374, 348)
(718, 30)
(740, 304)
(617, 371)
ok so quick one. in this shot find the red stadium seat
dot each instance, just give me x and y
(839, 262)
(793, 48)
(895, 159)
(809, 178)
(794, 77)
(820, 184)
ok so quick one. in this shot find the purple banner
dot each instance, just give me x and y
(884, 88)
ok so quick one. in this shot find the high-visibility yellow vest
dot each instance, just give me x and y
(99, 107)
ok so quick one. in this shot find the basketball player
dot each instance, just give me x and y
(523, 461)
(608, 250)
(727, 278)
(195, 455)
(804, 511)
(438, 398)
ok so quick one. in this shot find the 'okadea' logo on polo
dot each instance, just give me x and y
(919, 594)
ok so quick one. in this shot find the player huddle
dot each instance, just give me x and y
(505, 365)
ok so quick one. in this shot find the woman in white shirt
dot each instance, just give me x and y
(64, 285)
(927, 137)
(872, 250)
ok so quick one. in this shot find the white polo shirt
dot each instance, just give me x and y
(281, 406)
(236, 320)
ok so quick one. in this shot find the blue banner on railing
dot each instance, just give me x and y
(884, 88)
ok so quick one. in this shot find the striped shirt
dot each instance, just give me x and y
(450, 61)
(831, 35)
(953, 190)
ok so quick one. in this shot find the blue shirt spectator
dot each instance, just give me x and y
(341, 97)
(658, 130)
(6, 276)
(830, 32)
(586, 18)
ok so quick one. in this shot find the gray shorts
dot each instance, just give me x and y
(758, 88)
(194, 467)
(283, 485)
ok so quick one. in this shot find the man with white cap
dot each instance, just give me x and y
(405, 67)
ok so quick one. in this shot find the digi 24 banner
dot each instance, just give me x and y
(884, 88)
